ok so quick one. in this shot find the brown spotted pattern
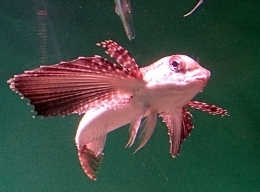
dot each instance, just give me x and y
(185, 126)
(176, 138)
(90, 163)
(211, 109)
(122, 56)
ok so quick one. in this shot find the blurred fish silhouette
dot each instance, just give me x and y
(123, 10)
(112, 95)
(194, 8)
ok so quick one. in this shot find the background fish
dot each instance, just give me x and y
(111, 95)
(123, 10)
(194, 8)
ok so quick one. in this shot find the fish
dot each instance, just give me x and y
(123, 10)
(194, 8)
(113, 94)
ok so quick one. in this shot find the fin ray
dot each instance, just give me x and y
(148, 127)
(179, 126)
(90, 162)
(209, 108)
(122, 56)
(73, 87)
(134, 127)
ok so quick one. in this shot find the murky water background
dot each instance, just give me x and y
(222, 154)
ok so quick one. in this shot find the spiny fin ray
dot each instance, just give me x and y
(90, 162)
(122, 56)
(75, 86)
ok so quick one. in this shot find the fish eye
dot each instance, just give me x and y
(175, 65)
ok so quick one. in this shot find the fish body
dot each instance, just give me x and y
(123, 10)
(154, 95)
(194, 8)
(112, 95)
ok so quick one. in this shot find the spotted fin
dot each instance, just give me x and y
(122, 56)
(90, 162)
(75, 86)
(187, 124)
(91, 154)
(179, 126)
(211, 109)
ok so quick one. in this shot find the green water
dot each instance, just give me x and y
(222, 154)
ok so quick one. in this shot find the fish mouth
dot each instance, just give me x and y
(202, 81)
(203, 77)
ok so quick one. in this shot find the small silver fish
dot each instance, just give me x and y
(123, 10)
(111, 95)
(194, 8)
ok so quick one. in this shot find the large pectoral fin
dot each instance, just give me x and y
(179, 127)
(75, 86)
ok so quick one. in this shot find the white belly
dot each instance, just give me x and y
(97, 122)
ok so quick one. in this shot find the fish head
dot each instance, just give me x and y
(186, 72)
(176, 79)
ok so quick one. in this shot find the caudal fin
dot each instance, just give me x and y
(90, 162)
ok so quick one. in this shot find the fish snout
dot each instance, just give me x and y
(203, 75)
(207, 73)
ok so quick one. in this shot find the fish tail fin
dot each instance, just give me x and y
(90, 162)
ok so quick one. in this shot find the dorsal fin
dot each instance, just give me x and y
(122, 56)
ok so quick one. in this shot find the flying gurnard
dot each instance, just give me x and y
(111, 95)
